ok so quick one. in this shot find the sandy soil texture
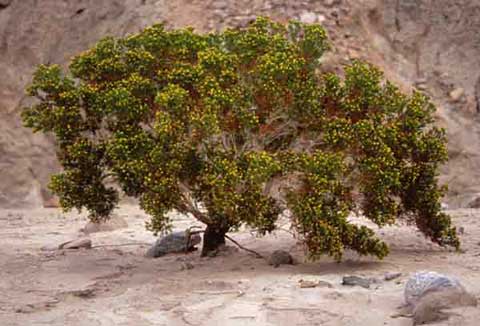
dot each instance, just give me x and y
(117, 285)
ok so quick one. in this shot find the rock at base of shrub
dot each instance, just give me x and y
(280, 257)
(175, 242)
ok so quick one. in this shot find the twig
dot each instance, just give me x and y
(123, 244)
(246, 249)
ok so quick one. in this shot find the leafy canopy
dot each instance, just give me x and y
(239, 126)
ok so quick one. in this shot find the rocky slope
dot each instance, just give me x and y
(429, 44)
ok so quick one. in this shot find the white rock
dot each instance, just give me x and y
(330, 3)
(457, 94)
(308, 17)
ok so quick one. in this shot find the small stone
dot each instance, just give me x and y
(308, 17)
(356, 281)
(456, 94)
(49, 248)
(461, 230)
(420, 81)
(307, 284)
(280, 257)
(85, 294)
(329, 3)
(77, 244)
(220, 4)
(422, 87)
(391, 276)
(313, 284)
(29, 308)
(444, 206)
(187, 266)
(475, 203)
(353, 54)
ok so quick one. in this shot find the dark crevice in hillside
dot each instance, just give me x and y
(4, 4)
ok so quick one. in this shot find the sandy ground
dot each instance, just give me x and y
(116, 285)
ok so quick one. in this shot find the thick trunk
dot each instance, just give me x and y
(213, 238)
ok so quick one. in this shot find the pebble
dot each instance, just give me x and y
(186, 266)
(308, 17)
(313, 284)
(392, 275)
(457, 94)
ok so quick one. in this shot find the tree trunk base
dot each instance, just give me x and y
(213, 238)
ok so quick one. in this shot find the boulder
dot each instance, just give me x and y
(174, 242)
(280, 257)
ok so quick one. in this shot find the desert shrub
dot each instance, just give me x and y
(237, 127)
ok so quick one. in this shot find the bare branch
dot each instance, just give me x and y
(246, 249)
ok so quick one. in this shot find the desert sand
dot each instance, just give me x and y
(114, 284)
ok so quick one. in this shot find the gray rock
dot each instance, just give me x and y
(175, 242)
(280, 257)
(356, 281)
(76, 244)
(391, 276)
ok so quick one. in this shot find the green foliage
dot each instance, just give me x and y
(211, 124)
